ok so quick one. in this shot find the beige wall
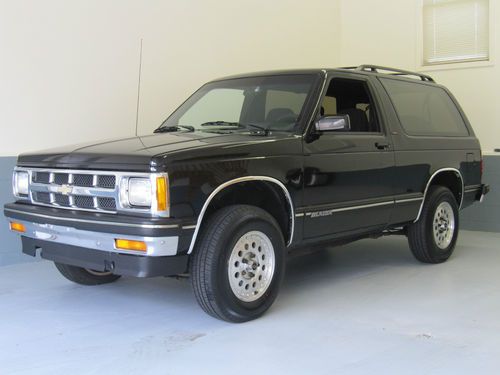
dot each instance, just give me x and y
(202, 40)
(387, 33)
(69, 69)
(68, 73)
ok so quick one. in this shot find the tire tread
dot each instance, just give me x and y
(417, 232)
(206, 253)
(81, 276)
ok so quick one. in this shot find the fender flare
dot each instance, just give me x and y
(436, 173)
(226, 184)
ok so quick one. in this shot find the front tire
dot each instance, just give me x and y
(85, 276)
(238, 263)
(433, 237)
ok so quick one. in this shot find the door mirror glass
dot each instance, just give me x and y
(333, 123)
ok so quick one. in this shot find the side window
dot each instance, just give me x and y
(425, 110)
(351, 97)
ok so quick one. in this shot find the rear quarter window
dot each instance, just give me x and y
(425, 110)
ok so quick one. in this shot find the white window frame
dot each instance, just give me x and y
(454, 65)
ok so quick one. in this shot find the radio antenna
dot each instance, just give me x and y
(138, 91)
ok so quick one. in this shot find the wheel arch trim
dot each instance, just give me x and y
(436, 173)
(226, 184)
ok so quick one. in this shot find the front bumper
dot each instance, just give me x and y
(104, 241)
(88, 240)
(98, 260)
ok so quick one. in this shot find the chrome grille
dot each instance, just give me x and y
(84, 201)
(61, 178)
(41, 197)
(106, 181)
(106, 203)
(61, 200)
(85, 180)
(87, 190)
(82, 190)
(41, 177)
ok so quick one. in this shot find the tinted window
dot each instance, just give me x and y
(350, 97)
(271, 102)
(220, 103)
(425, 110)
(284, 101)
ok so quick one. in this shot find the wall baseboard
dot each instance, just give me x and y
(10, 244)
(485, 216)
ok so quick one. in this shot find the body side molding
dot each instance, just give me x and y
(429, 184)
(236, 181)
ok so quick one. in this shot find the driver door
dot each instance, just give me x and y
(348, 174)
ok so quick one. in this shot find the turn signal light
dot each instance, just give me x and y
(17, 227)
(162, 193)
(130, 245)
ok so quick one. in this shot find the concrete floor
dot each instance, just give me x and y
(365, 308)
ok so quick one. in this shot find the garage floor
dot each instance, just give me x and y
(368, 307)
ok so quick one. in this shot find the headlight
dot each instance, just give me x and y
(146, 194)
(140, 192)
(21, 183)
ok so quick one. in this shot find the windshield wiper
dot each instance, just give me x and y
(166, 129)
(236, 124)
(222, 123)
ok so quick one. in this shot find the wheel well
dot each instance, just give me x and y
(452, 180)
(266, 195)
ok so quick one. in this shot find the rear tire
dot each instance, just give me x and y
(84, 276)
(238, 263)
(433, 237)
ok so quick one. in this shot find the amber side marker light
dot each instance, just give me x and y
(162, 193)
(17, 227)
(130, 245)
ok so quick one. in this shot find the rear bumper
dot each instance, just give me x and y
(474, 193)
(485, 189)
(98, 260)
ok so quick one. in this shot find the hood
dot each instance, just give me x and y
(136, 153)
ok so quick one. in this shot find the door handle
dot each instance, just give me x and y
(382, 145)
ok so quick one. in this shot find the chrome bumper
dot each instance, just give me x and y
(156, 246)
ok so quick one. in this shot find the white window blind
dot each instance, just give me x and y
(455, 31)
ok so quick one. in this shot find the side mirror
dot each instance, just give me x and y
(333, 123)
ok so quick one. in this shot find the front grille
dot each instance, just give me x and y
(41, 177)
(82, 190)
(85, 180)
(61, 200)
(83, 201)
(106, 181)
(61, 178)
(41, 197)
(106, 203)
(86, 190)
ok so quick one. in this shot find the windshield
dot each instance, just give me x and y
(273, 103)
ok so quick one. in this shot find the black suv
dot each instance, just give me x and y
(249, 169)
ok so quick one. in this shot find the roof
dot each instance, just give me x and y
(363, 69)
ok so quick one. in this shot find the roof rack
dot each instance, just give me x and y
(396, 72)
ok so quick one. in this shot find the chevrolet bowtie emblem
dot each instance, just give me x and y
(65, 189)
